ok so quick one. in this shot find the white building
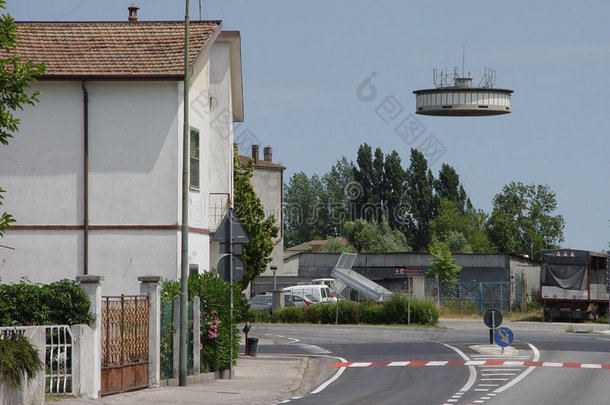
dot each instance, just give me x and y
(94, 176)
(268, 182)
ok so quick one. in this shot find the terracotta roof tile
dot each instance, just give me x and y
(112, 49)
(261, 164)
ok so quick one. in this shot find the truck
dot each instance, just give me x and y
(573, 284)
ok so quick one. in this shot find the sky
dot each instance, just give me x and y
(307, 64)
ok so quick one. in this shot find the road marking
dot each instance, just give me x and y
(494, 363)
(525, 373)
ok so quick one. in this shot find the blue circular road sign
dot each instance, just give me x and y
(504, 336)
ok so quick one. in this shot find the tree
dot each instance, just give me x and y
(448, 186)
(364, 178)
(394, 190)
(464, 232)
(421, 201)
(443, 264)
(372, 237)
(16, 76)
(523, 217)
(336, 194)
(304, 210)
(261, 230)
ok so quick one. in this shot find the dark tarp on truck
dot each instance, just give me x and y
(565, 268)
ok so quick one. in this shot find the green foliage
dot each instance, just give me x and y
(261, 230)
(522, 215)
(18, 357)
(337, 245)
(16, 77)
(59, 303)
(393, 311)
(443, 264)
(258, 316)
(464, 231)
(371, 237)
(448, 187)
(215, 295)
(289, 315)
(421, 201)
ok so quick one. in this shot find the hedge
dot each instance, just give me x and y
(393, 311)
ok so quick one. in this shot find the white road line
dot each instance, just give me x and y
(498, 357)
(488, 385)
(514, 363)
(587, 365)
(437, 363)
(360, 364)
(398, 363)
(485, 370)
(481, 389)
(492, 374)
(524, 374)
(473, 372)
(333, 378)
(551, 364)
(474, 362)
(494, 379)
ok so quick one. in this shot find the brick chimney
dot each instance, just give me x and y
(133, 12)
(267, 153)
(255, 153)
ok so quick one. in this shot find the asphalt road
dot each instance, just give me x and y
(447, 383)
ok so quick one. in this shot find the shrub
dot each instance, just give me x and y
(18, 358)
(258, 316)
(424, 312)
(349, 312)
(395, 310)
(289, 315)
(215, 295)
(372, 313)
(313, 313)
(59, 303)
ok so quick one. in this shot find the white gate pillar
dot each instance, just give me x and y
(93, 288)
(151, 285)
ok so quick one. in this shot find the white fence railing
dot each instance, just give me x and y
(58, 360)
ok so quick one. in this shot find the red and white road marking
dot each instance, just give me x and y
(437, 363)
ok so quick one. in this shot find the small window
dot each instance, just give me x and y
(193, 269)
(194, 160)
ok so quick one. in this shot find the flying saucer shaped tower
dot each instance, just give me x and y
(456, 96)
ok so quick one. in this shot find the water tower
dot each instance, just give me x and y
(455, 95)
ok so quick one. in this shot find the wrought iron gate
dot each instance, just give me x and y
(124, 343)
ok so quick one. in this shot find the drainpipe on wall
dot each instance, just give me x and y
(85, 178)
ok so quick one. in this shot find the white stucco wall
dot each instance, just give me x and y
(41, 167)
(268, 186)
(135, 177)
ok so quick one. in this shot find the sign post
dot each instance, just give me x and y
(409, 273)
(493, 319)
(231, 233)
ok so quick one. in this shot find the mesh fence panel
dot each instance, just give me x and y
(469, 295)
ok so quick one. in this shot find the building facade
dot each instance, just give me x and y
(94, 175)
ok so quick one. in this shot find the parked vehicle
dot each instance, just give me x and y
(573, 284)
(265, 301)
(320, 292)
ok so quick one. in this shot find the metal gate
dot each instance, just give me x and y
(124, 343)
(480, 296)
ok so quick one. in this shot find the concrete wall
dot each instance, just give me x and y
(528, 270)
(32, 390)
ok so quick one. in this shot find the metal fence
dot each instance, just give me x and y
(468, 296)
(58, 360)
(57, 355)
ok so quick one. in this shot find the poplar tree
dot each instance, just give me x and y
(261, 230)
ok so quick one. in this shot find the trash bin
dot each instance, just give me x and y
(252, 347)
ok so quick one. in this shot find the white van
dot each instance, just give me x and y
(320, 292)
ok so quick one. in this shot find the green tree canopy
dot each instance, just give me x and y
(16, 77)
(464, 232)
(421, 202)
(261, 230)
(523, 215)
(443, 264)
(448, 186)
(369, 237)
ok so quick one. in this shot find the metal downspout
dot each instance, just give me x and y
(85, 178)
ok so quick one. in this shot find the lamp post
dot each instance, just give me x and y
(531, 245)
(274, 269)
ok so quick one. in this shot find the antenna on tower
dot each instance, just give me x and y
(463, 58)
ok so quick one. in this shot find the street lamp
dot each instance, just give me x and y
(531, 245)
(274, 269)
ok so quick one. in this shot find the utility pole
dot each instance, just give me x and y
(185, 210)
